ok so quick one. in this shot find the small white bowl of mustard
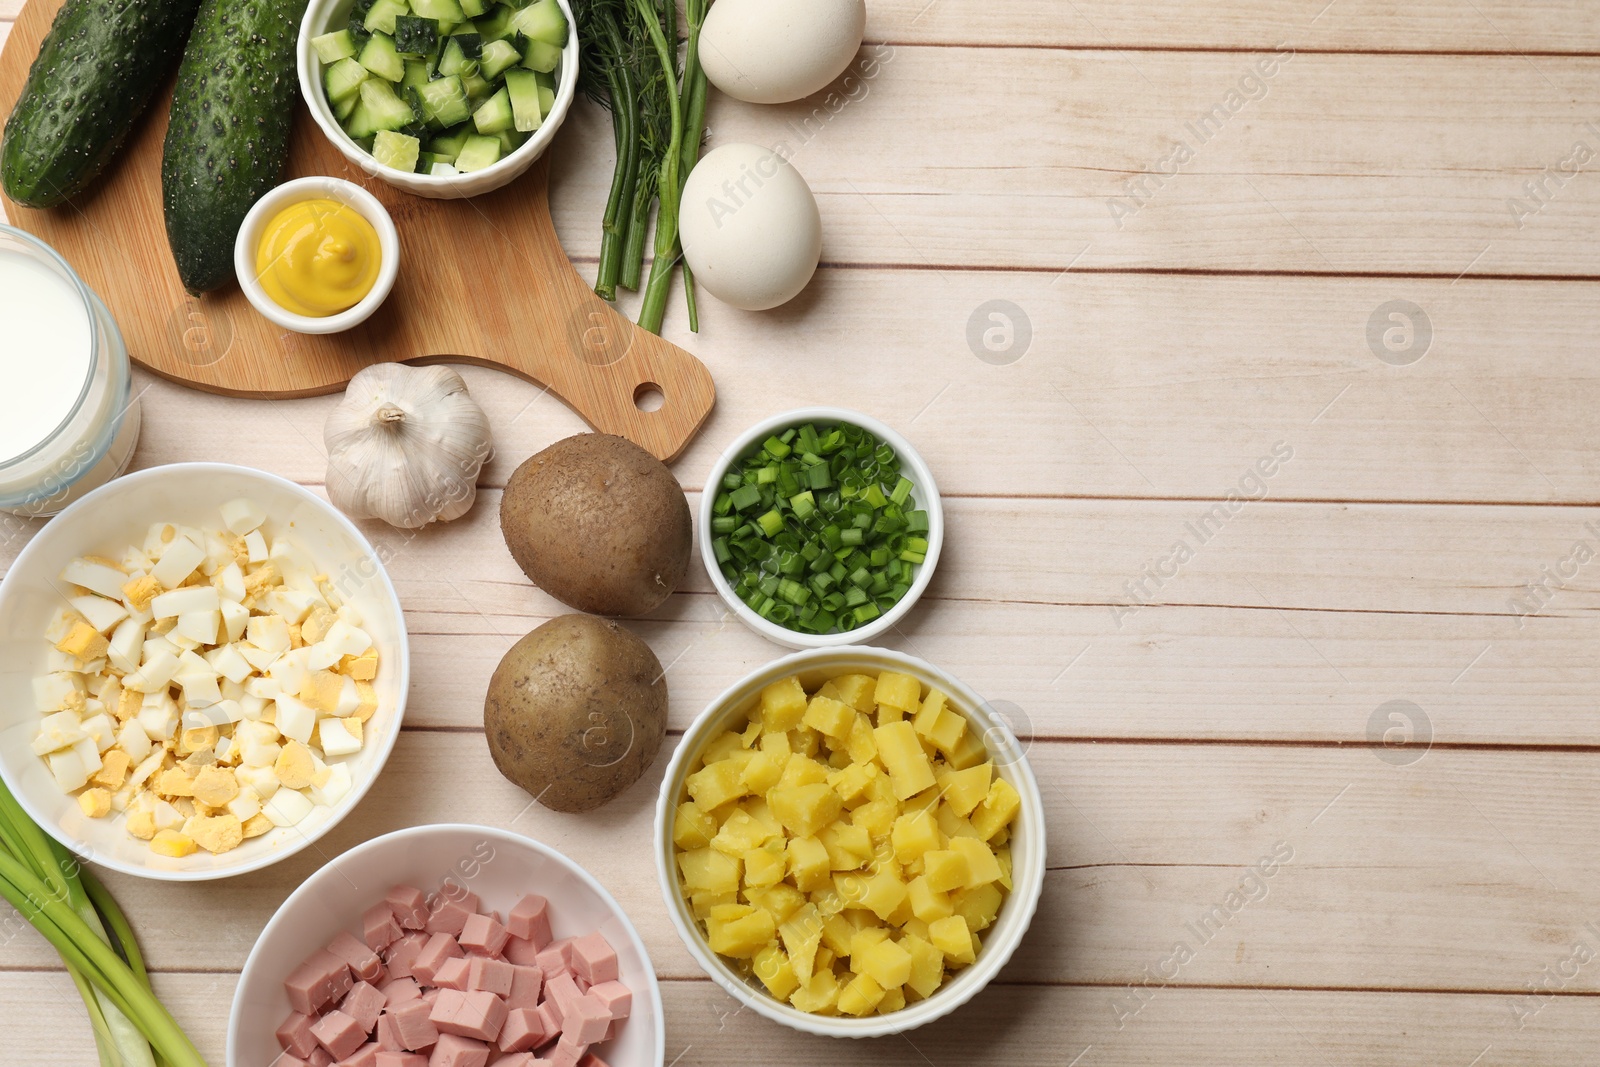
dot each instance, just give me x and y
(317, 255)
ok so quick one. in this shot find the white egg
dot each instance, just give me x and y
(774, 51)
(749, 226)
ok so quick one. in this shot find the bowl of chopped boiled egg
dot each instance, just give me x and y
(204, 667)
(850, 842)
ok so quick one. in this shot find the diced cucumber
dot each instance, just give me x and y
(360, 125)
(444, 102)
(547, 99)
(380, 57)
(477, 153)
(496, 24)
(416, 75)
(332, 47)
(542, 20)
(396, 150)
(523, 88)
(343, 80)
(342, 109)
(387, 110)
(426, 160)
(494, 114)
(415, 35)
(459, 55)
(478, 90)
(473, 8)
(380, 17)
(497, 56)
(510, 141)
(443, 10)
(442, 170)
(541, 56)
(449, 143)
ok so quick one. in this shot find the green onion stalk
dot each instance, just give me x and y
(51, 888)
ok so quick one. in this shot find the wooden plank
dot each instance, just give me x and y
(1405, 873)
(1130, 387)
(1283, 183)
(1028, 1025)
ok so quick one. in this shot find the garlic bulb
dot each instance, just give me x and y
(405, 445)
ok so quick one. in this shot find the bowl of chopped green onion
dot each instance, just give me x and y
(820, 527)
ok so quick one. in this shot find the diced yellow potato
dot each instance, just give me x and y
(722, 747)
(741, 832)
(886, 962)
(802, 936)
(951, 937)
(965, 790)
(982, 867)
(860, 995)
(901, 752)
(703, 901)
(893, 1000)
(751, 735)
(706, 868)
(775, 743)
(977, 907)
(849, 847)
(927, 965)
(691, 827)
(848, 889)
(876, 818)
(96, 803)
(838, 755)
(809, 865)
(997, 809)
(803, 770)
(945, 869)
(897, 690)
(764, 770)
(1002, 856)
(838, 934)
(716, 783)
(885, 892)
(948, 731)
(829, 717)
(914, 834)
(782, 900)
(857, 690)
(851, 782)
(764, 866)
(805, 741)
(953, 825)
(171, 843)
(773, 968)
(928, 712)
(969, 751)
(805, 809)
(782, 705)
(928, 903)
(881, 788)
(817, 995)
(739, 936)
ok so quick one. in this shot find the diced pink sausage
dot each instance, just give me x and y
(339, 1034)
(413, 1025)
(617, 998)
(379, 928)
(473, 1014)
(567, 1053)
(399, 990)
(594, 959)
(453, 1051)
(410, 906)
(480, 933)
(526, 982)
(365, 1056)
(551, 1009)
(389, 1035)
(585, 1020)
(440, 947)
(564, 991)
(452, 973)
(295, 1035)
(363, 961)
(403, 954)
(553, 959)
(591, 1060)
(319, 1058)
(447, 915)
(493, 976)
(318, 982)
(520, 952)
(401, 1059)
(615, 1028)
(530, 920)
(521, 1059)
(523, 1031)
(363, 1003)
(289, 1059)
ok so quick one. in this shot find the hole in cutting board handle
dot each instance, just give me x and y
(648, 397)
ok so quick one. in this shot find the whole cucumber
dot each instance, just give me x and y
(228, 135)
(96, 71)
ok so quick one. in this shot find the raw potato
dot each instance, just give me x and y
(576, 712)
(598, 523)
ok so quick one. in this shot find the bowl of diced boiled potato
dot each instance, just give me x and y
(850, 842)
(204, 668)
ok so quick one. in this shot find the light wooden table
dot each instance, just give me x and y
(1163, 340)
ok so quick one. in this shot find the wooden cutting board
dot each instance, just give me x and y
(481, 281)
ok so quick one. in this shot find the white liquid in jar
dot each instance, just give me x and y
(45, 352)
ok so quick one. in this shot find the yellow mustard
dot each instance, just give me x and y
(318, 257)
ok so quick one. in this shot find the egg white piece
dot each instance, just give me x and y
(750, 227)
(775, 51)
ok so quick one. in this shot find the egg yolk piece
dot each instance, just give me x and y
(318, 258)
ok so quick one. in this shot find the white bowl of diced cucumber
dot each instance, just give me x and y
(442, 98)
